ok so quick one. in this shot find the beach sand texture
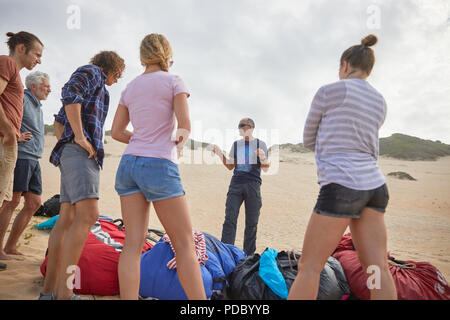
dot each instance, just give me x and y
(417, 217)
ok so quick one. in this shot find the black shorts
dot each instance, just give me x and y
(338, 201)
(27, 176)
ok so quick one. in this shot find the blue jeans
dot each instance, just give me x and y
(250, 193)
(157, 179)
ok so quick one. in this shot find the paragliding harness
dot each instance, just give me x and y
(247, 284)
(50, 208)
(157, 233)
(414, 280)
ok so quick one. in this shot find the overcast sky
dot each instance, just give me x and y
(261, 59)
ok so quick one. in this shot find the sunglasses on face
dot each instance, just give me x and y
(241, 125)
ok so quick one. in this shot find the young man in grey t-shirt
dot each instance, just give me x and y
(247, 157)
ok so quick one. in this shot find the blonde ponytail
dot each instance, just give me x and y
(155, 49)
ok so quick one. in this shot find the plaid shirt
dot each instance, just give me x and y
(87, 87)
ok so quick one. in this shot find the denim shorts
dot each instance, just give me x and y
(336, 200)
(157, 179)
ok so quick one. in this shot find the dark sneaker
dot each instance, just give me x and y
(76, 297)
(46, 296)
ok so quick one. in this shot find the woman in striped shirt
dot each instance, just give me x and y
(342, 129)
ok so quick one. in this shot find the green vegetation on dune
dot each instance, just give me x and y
(291, 147)
(401, 175)
(191, 143)
(194, 144)
(398, 146)
(48, 129)
(404, 147)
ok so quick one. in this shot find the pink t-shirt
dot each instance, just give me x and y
(149, 99)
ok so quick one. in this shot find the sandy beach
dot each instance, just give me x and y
(417, 219)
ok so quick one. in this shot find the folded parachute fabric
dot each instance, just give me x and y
(246, 282)
(48, 224)
(99, 259)
(200, 249)
(414, 280)
(159, 282)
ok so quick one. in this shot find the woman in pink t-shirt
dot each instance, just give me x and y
(148, 171)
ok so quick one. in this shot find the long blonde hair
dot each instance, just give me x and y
(155, 49)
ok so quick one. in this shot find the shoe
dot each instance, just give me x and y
(2, 266)
(46, 296)
(146, 298)
(77, 297)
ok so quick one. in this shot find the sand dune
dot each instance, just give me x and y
(418, 216)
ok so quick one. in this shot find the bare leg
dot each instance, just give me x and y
(174, 216)
(86, 214)
(135, 214)
(321, 239)
(6, 212)
(32, 204)
(65, 219)
(370, 240)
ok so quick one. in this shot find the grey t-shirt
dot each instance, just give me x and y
(32, 121)
(247, 163)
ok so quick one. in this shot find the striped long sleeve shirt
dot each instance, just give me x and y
(342, 128)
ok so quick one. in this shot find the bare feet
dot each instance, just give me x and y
(13, 251)
(4, 256)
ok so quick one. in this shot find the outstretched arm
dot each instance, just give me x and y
(228, 163)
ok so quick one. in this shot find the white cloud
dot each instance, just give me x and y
(262, 59)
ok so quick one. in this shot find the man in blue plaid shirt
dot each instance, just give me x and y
(86, 89)
(79, 155)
